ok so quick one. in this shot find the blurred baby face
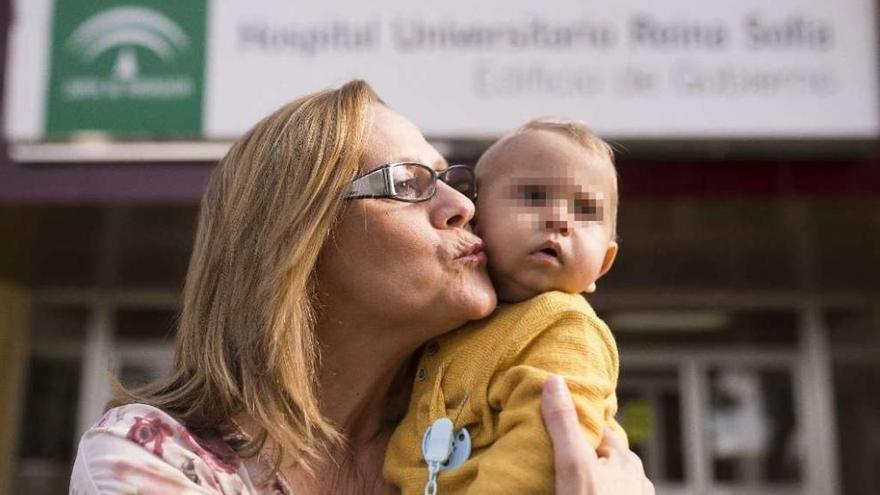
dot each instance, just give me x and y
(543, 210)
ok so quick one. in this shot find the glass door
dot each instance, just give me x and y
(715, 424)
(716, 402)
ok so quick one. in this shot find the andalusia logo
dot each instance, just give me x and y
(127, 68)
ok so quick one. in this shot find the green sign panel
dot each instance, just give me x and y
(129, 68)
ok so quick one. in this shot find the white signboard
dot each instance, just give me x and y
(636, 69)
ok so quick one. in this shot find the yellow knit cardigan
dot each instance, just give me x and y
(488, 375)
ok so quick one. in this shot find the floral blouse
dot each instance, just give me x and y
(138, 449)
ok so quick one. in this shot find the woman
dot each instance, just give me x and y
(305, 298)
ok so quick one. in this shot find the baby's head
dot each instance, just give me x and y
(547, 209)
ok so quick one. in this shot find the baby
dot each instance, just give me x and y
(546, 210)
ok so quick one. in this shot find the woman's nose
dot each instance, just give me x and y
(450, 208)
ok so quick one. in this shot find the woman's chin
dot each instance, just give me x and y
(481, 301)
(491, 303)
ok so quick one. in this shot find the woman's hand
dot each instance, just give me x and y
(611, 469)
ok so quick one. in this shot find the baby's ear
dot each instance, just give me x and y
(610, 256)
(607, 262)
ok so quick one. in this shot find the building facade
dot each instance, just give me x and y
(745, 300)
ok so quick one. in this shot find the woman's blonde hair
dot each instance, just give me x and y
(245, 338)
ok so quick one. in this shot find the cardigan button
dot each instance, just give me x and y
(432, 348)
(422, 374)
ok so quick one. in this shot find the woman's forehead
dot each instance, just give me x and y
(393, 138)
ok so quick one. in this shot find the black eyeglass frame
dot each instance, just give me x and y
(381, 179)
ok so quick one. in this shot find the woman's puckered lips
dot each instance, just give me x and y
(473, 250)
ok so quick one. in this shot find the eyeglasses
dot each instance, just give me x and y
(411, 182)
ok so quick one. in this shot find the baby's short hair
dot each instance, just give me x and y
(581, 134)
(577, 130)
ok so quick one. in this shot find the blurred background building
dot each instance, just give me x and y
(746, 297)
